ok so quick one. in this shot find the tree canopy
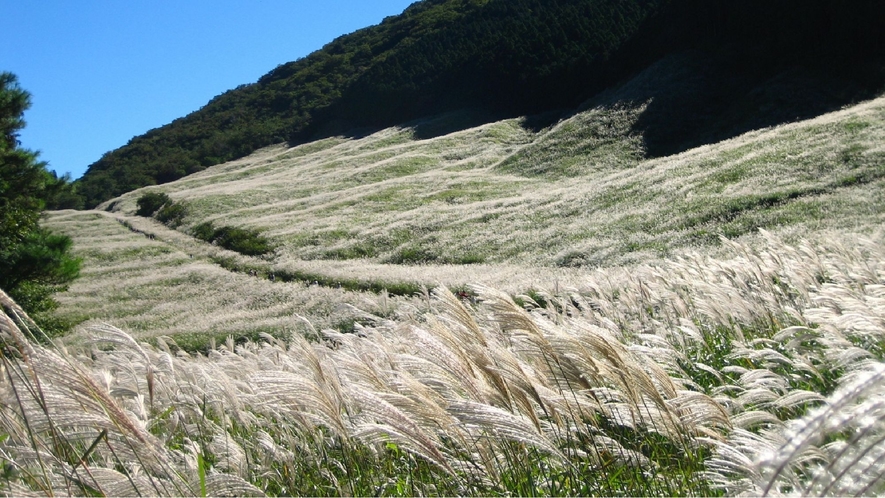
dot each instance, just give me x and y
(34, 263)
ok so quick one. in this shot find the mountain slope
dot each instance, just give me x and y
(393, 198)
(352, 216)
(753, 64)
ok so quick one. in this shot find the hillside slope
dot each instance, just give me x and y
(735, 67)
(485, 195)
(353, 216)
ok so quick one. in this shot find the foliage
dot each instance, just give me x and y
(161, 207)
(172, 214)
(34, 263)
(241, 240)
(38, 266)
(204, 231)
(519, 57)
(151, 202)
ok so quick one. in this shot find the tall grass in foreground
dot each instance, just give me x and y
(759, 373)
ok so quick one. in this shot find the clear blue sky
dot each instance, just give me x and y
(103, 71)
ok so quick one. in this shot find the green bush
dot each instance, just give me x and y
(171, 214)
(241, 240)
(204, 231)
(412, 255)
(151, 202)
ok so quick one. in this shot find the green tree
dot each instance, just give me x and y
(34, 263)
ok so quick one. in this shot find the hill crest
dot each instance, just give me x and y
(514, 58)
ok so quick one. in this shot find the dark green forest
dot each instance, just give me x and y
(761, 62)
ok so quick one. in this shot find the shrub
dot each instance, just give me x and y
(151, 202)
(204, 231)
(171, 214)
(412, 255)
(241, 240)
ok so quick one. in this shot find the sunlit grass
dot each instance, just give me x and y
(619, 345)
(750, 372)
(430, 224)
(822, 173)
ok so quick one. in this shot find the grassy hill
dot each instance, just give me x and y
(721, 68)
(499, 204)
(674, 287)
(618, 346)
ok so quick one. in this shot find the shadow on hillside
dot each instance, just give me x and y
(422, 129)
(451, 122)
(442, 124)
(691, 99)
(464, 119)
(694, 100)
(539, 122)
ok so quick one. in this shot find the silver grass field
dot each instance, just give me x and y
(557, 316)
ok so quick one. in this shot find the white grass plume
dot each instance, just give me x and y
(701, 352)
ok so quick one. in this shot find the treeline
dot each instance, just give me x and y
(509, 57)
(514, 56)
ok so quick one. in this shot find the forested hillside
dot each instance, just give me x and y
(740, 65)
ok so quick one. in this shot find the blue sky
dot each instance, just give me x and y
(103, 71)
